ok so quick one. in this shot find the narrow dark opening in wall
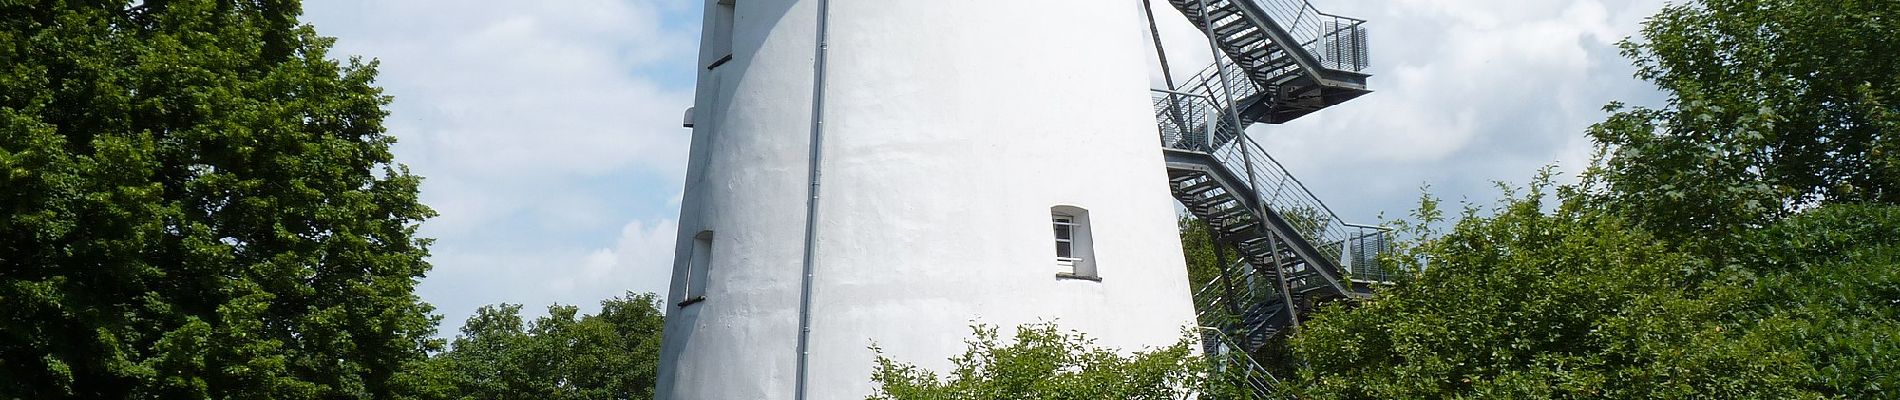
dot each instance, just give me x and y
(698, 265)
(721, 33)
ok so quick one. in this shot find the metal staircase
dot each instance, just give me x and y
(1278, 60)
(1245, 378)
(1294, 59)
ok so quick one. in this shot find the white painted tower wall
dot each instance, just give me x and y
(951, 128)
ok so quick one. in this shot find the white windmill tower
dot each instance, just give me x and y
(889, 171)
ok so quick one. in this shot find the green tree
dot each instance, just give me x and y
(1044, 362)
(1521, 303)
(198, 202)
(1823, 288)
(610, 355)
(1738, 242)
(1774, 106)
(1203, 263)
(1577, 302)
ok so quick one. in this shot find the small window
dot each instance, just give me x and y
(1075, 255)
(698, 264)
(1065, 240)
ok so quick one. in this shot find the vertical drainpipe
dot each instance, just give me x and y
(815, 171)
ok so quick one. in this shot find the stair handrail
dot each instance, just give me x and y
(1225, 352)
(1210, 302)
(1367, 266)
(1336, 238)
(1340, 233)
(1275, 187)
(1240, 86)
(1179, 115)
(1311, 28)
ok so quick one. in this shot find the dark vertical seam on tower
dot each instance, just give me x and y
(816, 173)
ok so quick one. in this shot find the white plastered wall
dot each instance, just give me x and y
(951, 129)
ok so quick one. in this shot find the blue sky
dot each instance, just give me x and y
(549, 129)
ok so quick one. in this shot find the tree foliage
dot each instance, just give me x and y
(1774, 106)
(198, 202)
(1824, 287)
(1203, 259)
(1044, 363)
(1529, 303)
(610, 355)
(1739, 242)
(1578, 303)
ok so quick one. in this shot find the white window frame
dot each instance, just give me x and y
(1060, 221)
(1080, 262)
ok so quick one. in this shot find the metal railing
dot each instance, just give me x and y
(1284, 194)
(1183, 114)
(1363, 261)
(1197, 123)
(1209, 301)
(1234, 374)
(1208, 82)
(1255, 291)
(1338, 42)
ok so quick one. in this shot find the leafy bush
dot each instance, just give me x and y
(1044, 363)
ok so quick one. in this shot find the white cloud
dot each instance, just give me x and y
(521, 94)
(1465, 92)
(549, 134)
(641, 261)
(543, 128)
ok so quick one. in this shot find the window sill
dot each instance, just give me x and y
(1066, 275)
(692, 301)
(719, 62)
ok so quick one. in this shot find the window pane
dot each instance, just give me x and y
(1065, 250)
(1063, 231)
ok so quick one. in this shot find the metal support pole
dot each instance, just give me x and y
(1220, 262)
(1167, 73)
(1227, 91)
(1227, 88)
(1154, 32)
(1279, 274)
